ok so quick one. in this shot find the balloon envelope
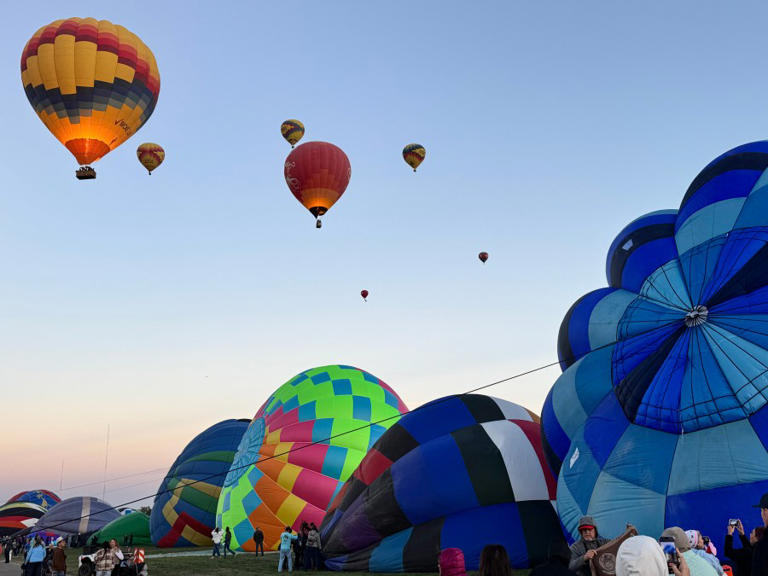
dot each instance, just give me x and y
(133, 526)
(92, 83)
(43, 498)
(483, 257)
(292, 131)
(462, 471)
(364, 294)
(660, 415)
(414, 154)
(150, 155)
(18, 515)
(78, 515)
(184, 511)
(303, 443)
(317, 174)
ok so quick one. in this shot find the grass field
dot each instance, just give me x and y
(166, 563)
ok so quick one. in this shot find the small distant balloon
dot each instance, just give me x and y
(364, 294)
(150, 155)
(292, 131)
(414, 154)
(483, 256)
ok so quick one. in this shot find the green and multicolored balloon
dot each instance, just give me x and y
(301, 446)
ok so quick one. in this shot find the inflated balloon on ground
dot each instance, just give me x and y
(184, 511)
(460, 472)
(660, 415)
(303, 443)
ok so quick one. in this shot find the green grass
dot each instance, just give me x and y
(241, 565)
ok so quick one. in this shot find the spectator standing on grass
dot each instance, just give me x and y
(760, 549)
(107, 558)
(227, 540)
(742, 557)
(286, 539)
(494, 561)
(216, 538)
(258, 538)
(59, 561)
(7, 549)
(451, 562)
(583, 550)
(299, 545)
(312, 551)
(35, 557)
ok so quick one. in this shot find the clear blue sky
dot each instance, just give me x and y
(187, 297)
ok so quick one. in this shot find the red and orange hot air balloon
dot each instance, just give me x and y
(92, 83)
(483, 257)
(317, 174)
(364, 294)
(150, 155)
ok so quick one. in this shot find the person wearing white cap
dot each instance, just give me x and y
(59, 561)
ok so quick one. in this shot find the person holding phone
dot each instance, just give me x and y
(741, 557)
(696, 565)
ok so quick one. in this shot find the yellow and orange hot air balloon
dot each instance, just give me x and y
(292, 131)
(150, 155)
(92, 83)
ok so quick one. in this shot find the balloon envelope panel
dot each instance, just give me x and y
(78, 515)
(43, 498)
(18, 515)
(134, 525)
(660, 417)
(184, 511)
(462, 471)
(305, 441)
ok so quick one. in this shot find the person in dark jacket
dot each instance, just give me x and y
(742, 557)
(258, 538)
(59, 560)
(558, 558)
(583, 550)
(227, 542)
(760, 549)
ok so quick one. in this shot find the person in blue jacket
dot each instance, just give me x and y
(286, 539)
(35, 556)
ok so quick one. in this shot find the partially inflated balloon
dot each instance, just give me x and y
(414, 155)
(483, 257)
(150, 155)
(661, 414)
(317, 174)
(292, 131)
(91, 82)
(303, 443)
(184, 511)
(462, 471)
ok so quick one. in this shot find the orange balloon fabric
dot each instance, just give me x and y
(91, 82)
(317, 174)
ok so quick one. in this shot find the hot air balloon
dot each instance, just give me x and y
(317, 174)
(446, 475)
(661, 414)
(184, 511)
(292, 131)
(92, 83)
(150, 155)
(301, 446)
(414, 155)
(483, 257)
(364, 294)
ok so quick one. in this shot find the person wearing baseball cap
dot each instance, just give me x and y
(760, 550)
(583, 550)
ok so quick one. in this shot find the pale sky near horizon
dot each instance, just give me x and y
(160, 306)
